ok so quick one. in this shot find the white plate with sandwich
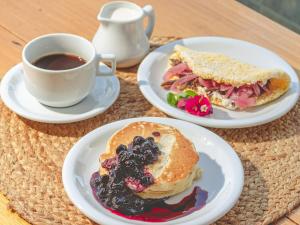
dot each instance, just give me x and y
(99, 173)
(246, 84)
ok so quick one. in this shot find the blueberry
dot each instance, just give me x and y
(138, 140)
(138, 203)
(155, 150)
(114, 178)
(104, 179)
(114, 203)
(112, 174)
(101, 192)
(119, 171)
(146, 145)
(135, 172)
(141, 159)
(96, 181)
(149, 156)
(117, 186)
(151, 139)
(121, 155)
(125, 155)
(137, 149)
(148, 152)
(130, 164)
(119, 201)
(147, 180)
(121, 148)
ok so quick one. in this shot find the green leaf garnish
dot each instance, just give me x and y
(190, 93)
(182, 95)
(172, 99)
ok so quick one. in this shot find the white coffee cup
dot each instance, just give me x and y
(62, 88)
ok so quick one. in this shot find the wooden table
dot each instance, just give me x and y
(20, 21)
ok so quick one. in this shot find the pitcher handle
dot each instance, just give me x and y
(149, 12)
(107, 58)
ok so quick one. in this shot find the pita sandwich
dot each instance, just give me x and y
(227, 82)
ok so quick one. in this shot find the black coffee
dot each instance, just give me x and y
(59, 62)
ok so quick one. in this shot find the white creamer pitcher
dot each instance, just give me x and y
(122, 32)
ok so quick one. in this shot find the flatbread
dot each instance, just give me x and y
(224, 69)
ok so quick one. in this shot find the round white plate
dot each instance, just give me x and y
(152, 68)
(222, 176)
(18, 99)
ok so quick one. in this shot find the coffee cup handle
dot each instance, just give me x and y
(106, 58)
(149, 12)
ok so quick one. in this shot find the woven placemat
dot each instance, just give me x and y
(32, 155)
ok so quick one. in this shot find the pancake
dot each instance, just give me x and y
(176, 167)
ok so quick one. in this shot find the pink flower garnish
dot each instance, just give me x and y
(198, 105)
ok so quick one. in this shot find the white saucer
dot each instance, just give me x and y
(18, 99)
(222, 176)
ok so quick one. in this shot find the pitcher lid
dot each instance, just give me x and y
(120, 11)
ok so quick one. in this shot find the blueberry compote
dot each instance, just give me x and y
(127, 176)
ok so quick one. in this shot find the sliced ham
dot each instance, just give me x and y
(182, 81)
(244, 97)
(209, 84)
(246, 90)
(256, 89)
(184, 73)
(244, 101)
(215, 84)
(229, 92)
(225, 87)
(205, 83)
(167, 84)
(176, 70)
